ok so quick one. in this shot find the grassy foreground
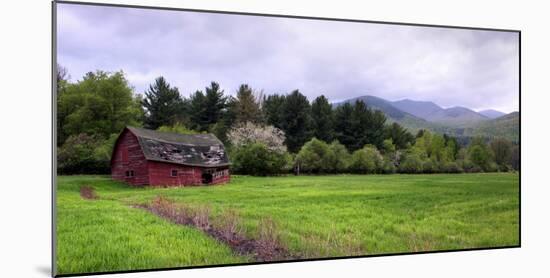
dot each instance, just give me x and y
(316, 216)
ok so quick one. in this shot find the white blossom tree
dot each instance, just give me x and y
(248, 133)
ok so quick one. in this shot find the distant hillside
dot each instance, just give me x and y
(422, 109)
(457, 116)
(506, 126)
(456, 121)
(491, 114)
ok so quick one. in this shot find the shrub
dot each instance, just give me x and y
(504, 168)
(177, 128)
(451, 167)
(78, 156)
(314, 157)
(428, 166)
(366, 160)
(339, 157)
(388, 167)
(492, 167)
(480, 155)
(257, 159)
(411, 164)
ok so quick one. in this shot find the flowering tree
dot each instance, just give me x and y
(249, 133)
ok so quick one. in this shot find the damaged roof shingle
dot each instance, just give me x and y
(188, 149)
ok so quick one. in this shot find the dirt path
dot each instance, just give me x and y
(266, 247)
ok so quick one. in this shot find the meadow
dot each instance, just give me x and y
(314, 216)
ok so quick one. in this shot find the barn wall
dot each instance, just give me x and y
(129, 156)
(160, 174)
(222, 177)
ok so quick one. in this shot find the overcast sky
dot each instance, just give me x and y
(451, 67)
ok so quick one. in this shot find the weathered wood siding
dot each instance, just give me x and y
(160, 173)
(128, 156)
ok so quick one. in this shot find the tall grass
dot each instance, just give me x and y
(311, 216)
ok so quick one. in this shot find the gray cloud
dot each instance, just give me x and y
(475, 69)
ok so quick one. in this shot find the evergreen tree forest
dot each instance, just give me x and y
(265, 134)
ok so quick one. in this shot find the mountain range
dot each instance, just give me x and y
(456, 121)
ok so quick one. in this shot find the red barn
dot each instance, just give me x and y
(148, 157)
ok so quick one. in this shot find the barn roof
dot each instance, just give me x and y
(203, 150)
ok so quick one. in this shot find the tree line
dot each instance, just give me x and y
(264, 134)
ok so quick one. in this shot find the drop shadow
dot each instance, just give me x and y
(45, 270)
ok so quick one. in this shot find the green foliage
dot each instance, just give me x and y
(322, 119)
(376, 126)
(338, 157)
(399, 136)
(215, 103)
(411, 164)
(163, 104)
(315, 157)
(273, 110)
(515, 157)
(480, 154)
(360, 118)
(99, 105)
(104, 150)
(366, 160)
(430, 166)
(78, 156)
(451, 167)
(207, 109)
(197, 111)
(258, 160)
(177, 128)
(388, 146)
(357, 125)
(502, 151)
(247, 106)
(388, 167)
(296, 120)
(343, 127)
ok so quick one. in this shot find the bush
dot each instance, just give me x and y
(257, 159)
(315, 157)
(504, 168)
(480, 156)
(451, 167)
(177, 128)
(428, 166)
(366, 160)
(83, 154)
(411, 164)
(492, 167)
(339, 157)
(388, 167)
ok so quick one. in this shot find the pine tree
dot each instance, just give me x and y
(296, 120)
(322, 118)
(197, 111)
(343, 128)
(273, 110)
(205, 110)
(163, 104)
(246, 107)
(400, 137)
(360, 125)
(215, 103)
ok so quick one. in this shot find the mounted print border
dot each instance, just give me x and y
(245, 185)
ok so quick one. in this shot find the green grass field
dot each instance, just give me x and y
(316, 216)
